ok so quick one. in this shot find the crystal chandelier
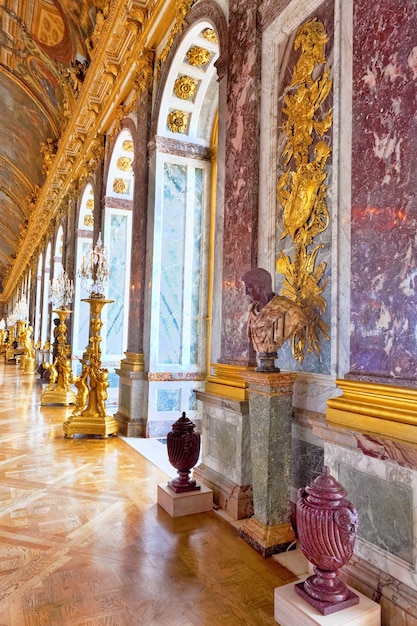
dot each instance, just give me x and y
(94, 272)
(61, 291)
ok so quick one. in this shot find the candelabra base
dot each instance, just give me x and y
(90, 424)
(58, 396)
(29, 365)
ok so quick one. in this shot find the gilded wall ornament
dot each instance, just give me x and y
(210, 35)
(177, 121)
(48, 149)
(127, 145)
(198, 56)
(182, 6)
(124, 164)
(120, 185)
(88, 221)
(185, 87)
(89, 204)
(302, 189)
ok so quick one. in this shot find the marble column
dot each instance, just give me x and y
(225, 400)
(132, 386)
(241, 185)
(269, 531)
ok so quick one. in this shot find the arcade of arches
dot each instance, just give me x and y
(200, 139)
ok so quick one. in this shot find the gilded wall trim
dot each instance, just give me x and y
(374, 408)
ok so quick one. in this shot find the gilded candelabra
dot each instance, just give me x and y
(89, 416)
(2, 336)
(58, 390)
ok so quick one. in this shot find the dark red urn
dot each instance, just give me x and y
(327, 524)
(183, 451)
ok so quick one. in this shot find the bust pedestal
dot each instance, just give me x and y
(269, 531)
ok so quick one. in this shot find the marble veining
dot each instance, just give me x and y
(384, 179)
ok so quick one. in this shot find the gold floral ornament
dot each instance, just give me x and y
(210, 35)
(302, 189)
(120, 185)
(127, 145)
(198, 56)
(124, 164)
(88, 220)
(177, 121)
(89, 204)
(185, 87)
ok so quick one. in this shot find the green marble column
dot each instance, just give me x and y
(270, 414)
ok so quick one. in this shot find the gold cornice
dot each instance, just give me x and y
(116, 48)
(374, 408)
(227, 381)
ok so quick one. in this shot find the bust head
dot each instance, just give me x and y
(258, 283)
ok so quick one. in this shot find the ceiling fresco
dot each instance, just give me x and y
(42, 44)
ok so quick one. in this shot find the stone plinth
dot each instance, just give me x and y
(291, 609)
(226, 465)
(186, 503)
(270, 415)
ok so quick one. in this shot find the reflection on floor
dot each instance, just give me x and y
(83, 541)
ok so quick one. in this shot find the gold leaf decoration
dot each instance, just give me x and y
(124, 163)
(302, 189)
(177, 121)
(198, 56)
(210, 35)
(88, 220)
(127, 145)
(185, 87)
(120, 185)
(89, 204)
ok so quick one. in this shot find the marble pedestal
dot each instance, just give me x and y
(226, 466)
(131, 414)
(291, 609)
(186, 503)
(270, 415)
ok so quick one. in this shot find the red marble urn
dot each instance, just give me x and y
(183, 451)
(327, 524)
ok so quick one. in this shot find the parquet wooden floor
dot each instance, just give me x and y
(83, 541)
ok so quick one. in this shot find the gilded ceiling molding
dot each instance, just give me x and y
(107, 85)
(48, 149)
(182, 8)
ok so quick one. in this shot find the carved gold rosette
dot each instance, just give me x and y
(177, 121)
(301, 186)
(185, 87)
(198, 56)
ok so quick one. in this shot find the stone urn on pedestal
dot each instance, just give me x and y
(327, 524)
(183, 445)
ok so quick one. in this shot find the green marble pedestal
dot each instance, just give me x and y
(269, 531)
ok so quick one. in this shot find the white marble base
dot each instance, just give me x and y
(291, 610)
(188, 503)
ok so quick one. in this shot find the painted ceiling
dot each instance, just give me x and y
(43, 45)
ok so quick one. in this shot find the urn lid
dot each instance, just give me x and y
(183, 425)
(325, 488)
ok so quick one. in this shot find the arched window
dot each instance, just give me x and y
(83, 246)
(117, 238)
(45, 297)
(183, 170)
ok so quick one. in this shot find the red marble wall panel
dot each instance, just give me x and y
(242, 177)
(384, 190)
